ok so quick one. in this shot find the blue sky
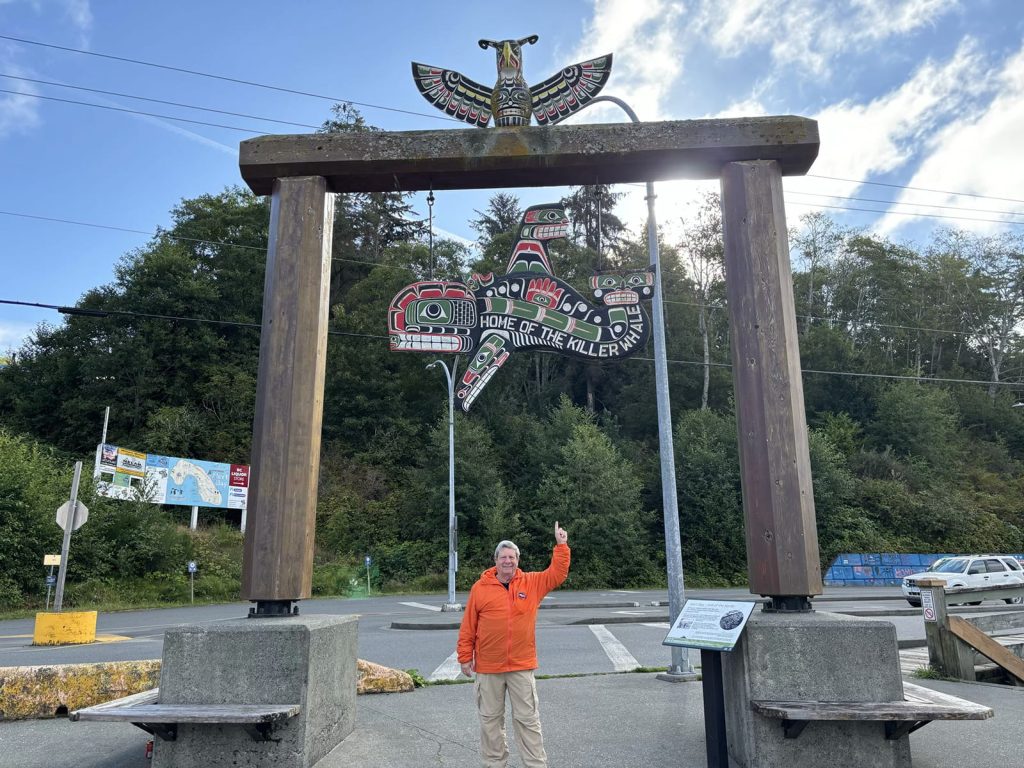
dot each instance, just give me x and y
(921, 93)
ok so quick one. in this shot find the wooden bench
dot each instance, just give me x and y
(920, 706)
(145, 711)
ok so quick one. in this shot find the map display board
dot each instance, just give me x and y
(712, 625)
(125, 474)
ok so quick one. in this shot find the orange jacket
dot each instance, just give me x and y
(498, 624)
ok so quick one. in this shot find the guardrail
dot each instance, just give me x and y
(954, 641)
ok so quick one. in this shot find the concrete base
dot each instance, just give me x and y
(451, 607)
(812, 657)
(305, 660)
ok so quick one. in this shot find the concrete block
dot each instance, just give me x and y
(308, 660)
(65, 628)
(812, 657)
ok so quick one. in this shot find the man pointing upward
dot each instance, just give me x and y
(497, 641)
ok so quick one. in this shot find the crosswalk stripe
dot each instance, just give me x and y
(621, 659)
(657, 624)
(423, 605)
(450, 669)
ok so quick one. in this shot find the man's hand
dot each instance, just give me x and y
(468, 668)
(561, 537)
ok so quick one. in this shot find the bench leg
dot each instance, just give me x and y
(166, 731)
(791, 729)
(899, 730)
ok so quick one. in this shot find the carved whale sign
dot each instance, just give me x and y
(526, 308)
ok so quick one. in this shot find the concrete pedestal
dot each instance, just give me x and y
(305, 660)
(812, 657)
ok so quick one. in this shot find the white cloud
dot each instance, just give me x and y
(859, 140)
(13, 335)
(644, 36)
(809, 34)
(977, 154)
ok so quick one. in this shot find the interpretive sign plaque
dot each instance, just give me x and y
(712, 625)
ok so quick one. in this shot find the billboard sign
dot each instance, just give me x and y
(125, 474)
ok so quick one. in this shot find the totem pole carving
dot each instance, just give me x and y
(511, 100)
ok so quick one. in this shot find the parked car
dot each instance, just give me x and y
(968, 571)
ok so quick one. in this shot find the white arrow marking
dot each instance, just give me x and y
(450, 669)
(621, 658)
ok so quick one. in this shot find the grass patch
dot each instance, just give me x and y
(929, 673)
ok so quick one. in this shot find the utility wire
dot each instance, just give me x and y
(239, 81)
(421, 114)
(130, 111)
(900, 202)
(155, 101)
(163, 233)
(85, 312)
(904, 213)
(100, 313)
(916, 189)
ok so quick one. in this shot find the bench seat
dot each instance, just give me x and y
(145, 711)
(920, 706)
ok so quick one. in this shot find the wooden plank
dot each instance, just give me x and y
(278, 557)
(144, 697)
(988, 647)
(869, 711)
(920, 694)
(195, 713)
(501, 158)
(775, 467)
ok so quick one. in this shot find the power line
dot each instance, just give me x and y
(163, 233)
(211, 76)
(156, 101)
(130, 111)
(904, 213)
(100, 313)
(262, 249)
(916, 189)
(916, 205)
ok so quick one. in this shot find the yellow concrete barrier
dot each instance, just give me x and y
(65, 628)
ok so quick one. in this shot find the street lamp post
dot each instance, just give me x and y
(680, 668)
(453, 557)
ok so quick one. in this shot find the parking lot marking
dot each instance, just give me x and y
(450, 669)
(621, 659)
(423, 605)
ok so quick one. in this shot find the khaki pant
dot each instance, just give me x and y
(490, 703)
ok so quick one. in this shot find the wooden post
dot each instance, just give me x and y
(278, 563)
(936, 620)
(946, 652)
(775, 468)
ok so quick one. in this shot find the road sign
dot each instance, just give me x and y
(64, 513)
(51, 580)
(192, 566)
(51, 559)
(367, 561)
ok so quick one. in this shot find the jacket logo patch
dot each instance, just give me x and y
(522, 595)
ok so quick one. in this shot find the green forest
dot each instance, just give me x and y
(912, 356)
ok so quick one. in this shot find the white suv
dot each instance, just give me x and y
(968, 571)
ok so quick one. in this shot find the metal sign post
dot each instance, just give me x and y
(367, 575)
(192, 581)
(50, 560)
(68, 524)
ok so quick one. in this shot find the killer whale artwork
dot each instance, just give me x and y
(526, 308)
